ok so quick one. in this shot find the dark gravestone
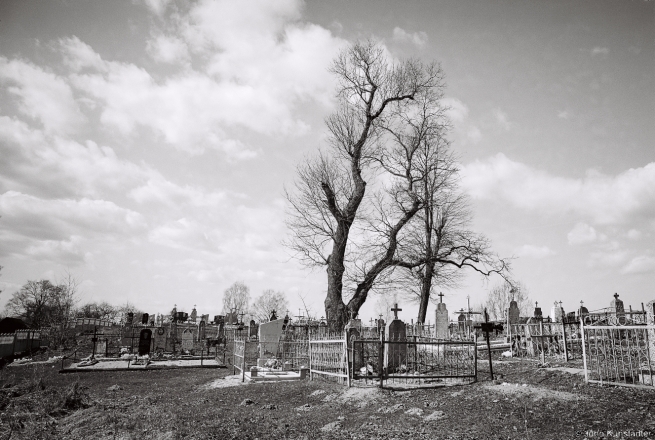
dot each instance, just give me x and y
(201, 331)
(144, 318)
(252, 328)
(397, 349)
(130, 318)
(145, 338)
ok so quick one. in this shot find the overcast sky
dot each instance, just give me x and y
(145, 145)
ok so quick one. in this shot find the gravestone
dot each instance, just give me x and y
(145, 339)
(101, 347)
(145, 318)
(396, 355)
(616, 307)
(194, 315)
(130, 318)
(650, 320)
(269, 334)
(252, 328)
(441, 320)
(557, 312)
(205, 318)
(538, 314)
(513, 314)
(201, 331)
(187, 340)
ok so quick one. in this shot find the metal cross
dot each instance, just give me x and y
(616, 296)
(395, 311)
(441, 295)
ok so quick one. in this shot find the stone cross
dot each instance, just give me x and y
(395, 311)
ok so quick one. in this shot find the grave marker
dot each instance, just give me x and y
(441, 319)
(187, 340)
(396, 332)
(616, 305)
(145, 338)
(538, 314)
(513, 313)
(269, 338)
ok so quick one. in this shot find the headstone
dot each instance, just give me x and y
(441, 320)
(205, 318)
(396, 355)
(252, 328)
(194, 314)
(145, 318)
(269, 338)
(538, 314)
(273, 316)
(187, 340)
(145, 338)
(616, 307)
(380, 324)
(201, 331)
(556, 312)
(514, 314)
(130, 318)
(101, 347)
(353, 330)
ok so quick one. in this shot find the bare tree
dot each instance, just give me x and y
(331, 188)
(266, 303)
(501, 295)
(236, 298)
(99, 310)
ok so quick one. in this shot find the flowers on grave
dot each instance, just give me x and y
(272, 363)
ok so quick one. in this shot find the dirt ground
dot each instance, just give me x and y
(525, 402)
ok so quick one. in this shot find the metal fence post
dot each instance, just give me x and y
(243, 363)
(475, 355)
(566, 351)
(584, 350)
(381, 359)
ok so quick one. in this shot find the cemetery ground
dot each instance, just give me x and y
(525, 401)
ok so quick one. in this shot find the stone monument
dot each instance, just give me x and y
(513, 314)
(396, 355)
(538, 314)
(269, 334)
(557, 312)
(441, 320)
(616, 308)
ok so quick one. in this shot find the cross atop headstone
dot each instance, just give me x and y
(241, 315)
(560, 303)
(616, 296)
(536, 304)
(441, 295)
(395, 311)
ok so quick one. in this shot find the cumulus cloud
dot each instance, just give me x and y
(598, 50)
(501, 119)
(42, 95)
(257, 63)
(582, 233)
(417, 38)
(602, 198)
(640, 264)
(532, 251)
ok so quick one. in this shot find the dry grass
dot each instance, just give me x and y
(36, 402)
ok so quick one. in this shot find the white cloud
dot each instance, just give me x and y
(502, 120)
(168, 49)
(531, 251)
(456, 110)
(640, 264)
(417, 38)
(604, 199)
(157, 6)
(42, 95)
(257, 64)
(582, 233)
(600, 51)
(633, 234)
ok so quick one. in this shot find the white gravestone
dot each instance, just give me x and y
(441, 320)
(269, 339)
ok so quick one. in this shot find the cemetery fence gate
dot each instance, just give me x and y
(619, 354)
